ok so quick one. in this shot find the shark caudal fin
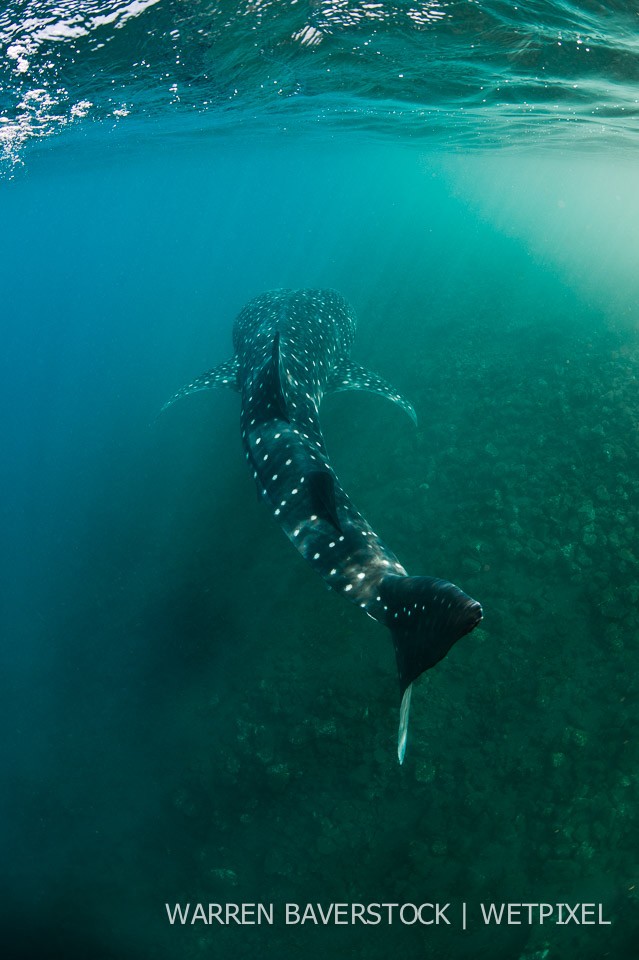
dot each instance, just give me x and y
(426, 617)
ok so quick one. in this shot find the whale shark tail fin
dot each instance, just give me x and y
(426, 616)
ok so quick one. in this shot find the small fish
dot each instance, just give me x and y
(291, 348)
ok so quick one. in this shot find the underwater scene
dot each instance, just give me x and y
(427, 208)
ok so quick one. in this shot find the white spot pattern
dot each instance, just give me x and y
(308, 334)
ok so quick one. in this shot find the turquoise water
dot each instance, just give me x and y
(188, 714)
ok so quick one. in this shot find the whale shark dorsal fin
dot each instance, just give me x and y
(267, 387)
(350, 376)
(225, 375)
(279, 400)
(321, 484)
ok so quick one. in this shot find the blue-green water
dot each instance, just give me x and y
(187, 714)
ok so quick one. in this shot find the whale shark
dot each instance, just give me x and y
(291, 348)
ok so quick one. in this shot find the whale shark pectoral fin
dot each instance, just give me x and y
(321, 485)
(224, 375)
(350, 376)
(426, 617)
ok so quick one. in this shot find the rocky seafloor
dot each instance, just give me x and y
(521, 778)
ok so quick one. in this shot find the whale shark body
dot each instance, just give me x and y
(291, 348)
